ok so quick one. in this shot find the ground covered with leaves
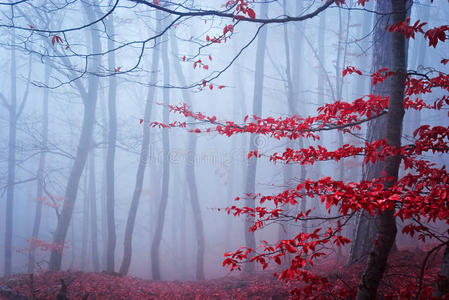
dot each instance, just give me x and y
(406, 277)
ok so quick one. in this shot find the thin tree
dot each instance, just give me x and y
(40, 171)
(157, 238)
(143, 158)
(191, 176)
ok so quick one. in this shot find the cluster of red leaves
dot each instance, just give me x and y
(433, 35)
(35, 243)
(421, 194)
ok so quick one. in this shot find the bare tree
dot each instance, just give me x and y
(140, 175)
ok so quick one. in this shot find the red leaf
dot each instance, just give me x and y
(117, 69)
(251, 13)
(156, 2)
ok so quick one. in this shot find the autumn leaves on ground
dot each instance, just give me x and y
(406, 274)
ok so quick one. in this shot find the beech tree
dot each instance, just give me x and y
(420, 194)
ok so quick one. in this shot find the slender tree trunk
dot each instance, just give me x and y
(250, 186)
(89, 101)
(191, 176)
(40, 172)
(386, 223)
(157, 238)
(85, 224)
(92, 195)
(293, 68)
(110, 156)
(11, 160)
(127, 246)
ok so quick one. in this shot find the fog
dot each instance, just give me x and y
(65, 73)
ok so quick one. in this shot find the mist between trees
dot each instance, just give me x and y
(176, 140)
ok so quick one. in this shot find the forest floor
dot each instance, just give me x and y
(401, 282)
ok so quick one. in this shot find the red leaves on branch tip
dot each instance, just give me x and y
(350, 70)
(117, 69)
(228, 28)
(362, 2)
(251, 13)
(140, 121)
(407, 30)
(445, 61)
(56, 39)
(381, 75)
(156, 2)
(31, 26)
(436, 34)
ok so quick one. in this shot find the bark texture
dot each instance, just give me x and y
(385, 221)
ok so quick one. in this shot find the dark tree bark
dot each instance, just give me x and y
(124, 268)
(40, 171)
(89, 105)
(385, 221)
(366, 228)
(110, 156)
(442, 287)
(191, 176)
(155, 246)
(250, 185)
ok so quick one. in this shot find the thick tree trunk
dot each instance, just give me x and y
(92, 198)
(366, 228)
(40, 172)
(386, 223)
(250, 185)
(89, 101)
(191, 177)
(127, 245)
(155, 246)
(442, 287)
(110, 156)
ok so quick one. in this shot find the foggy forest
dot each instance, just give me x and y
(224, 149)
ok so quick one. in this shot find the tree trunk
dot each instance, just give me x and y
(92, 195)
(442, 287)
(40, 172)
(250, 185)
(155, 246)
(385, 221)
(85, 224)
(366, 228)
(110, 156)
(191, 177)
(89, 105)
(127, 245)
(11, 161)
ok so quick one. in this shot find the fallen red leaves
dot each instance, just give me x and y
(338, 282)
